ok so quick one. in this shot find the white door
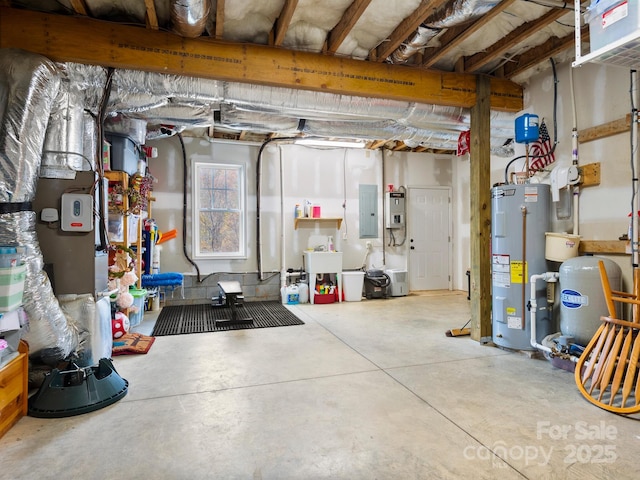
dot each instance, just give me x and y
(429, 238)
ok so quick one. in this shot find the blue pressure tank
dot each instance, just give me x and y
(527, 130)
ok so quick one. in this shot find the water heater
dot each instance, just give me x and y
(520, 218)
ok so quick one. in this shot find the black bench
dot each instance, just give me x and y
(231, 296)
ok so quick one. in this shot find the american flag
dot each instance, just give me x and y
(541, 150)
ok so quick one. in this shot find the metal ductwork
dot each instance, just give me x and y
(194, 102)
(29, 87)
(189, 17)
(456, 12)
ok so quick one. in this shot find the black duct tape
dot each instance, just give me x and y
(15, 207)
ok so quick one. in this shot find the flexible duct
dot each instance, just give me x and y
(29, 85)
(189, 17)
(456, 12)
(63, 150)
(186, 101)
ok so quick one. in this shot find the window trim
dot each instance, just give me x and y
(195, 211)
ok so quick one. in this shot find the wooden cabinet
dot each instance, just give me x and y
(14, 389)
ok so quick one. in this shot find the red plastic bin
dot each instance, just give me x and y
(325, 298)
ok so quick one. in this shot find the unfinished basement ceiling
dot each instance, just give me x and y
(510, 39)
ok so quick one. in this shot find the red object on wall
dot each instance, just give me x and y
(464, 143)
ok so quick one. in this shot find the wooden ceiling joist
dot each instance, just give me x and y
(152, 17)
(220, 19)
(454, 36)
(519, 35)
(350, 17)
(541, 53)
(63, 38)
(283, 21)
(407, 27)
(80, 7)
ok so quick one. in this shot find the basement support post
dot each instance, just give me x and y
(481, 213)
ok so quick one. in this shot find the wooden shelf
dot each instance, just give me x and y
(303, 220)
(122, 178)
(618, 247)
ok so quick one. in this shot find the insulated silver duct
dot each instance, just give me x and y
(189, 17)
(62, 153)
(50, 336)
(456, 12)
(169, 99)
(29, 85)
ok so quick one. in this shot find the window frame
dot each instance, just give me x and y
(195, 215)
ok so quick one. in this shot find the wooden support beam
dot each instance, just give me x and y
(618, 247)
(350, 17)
(519, 35)
(621, 125)
(63, 38)
(589, 174)
(407, 27)
(481, 213)
(283, 21)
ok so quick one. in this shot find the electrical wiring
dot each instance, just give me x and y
(184, 206)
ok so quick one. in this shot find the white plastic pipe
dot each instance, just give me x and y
(547, 277)
(283, 250)
(574, 157)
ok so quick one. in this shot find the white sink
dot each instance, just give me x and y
(323, 262)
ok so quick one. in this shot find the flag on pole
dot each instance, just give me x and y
(541, 151)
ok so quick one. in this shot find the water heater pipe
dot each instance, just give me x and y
(635, 160)
(523, 209)
(283, 250)
(574, 157)
(547, 277)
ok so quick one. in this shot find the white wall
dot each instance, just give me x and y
(330, 178)
(602, 95)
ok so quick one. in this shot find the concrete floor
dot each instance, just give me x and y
(363, 390)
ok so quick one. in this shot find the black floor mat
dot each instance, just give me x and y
(181, 319)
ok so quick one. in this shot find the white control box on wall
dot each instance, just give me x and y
(77, 212)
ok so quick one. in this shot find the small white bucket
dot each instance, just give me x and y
(561, 246)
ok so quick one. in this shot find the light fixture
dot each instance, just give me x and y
(319, 142)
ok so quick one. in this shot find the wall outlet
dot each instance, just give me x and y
(344, 236)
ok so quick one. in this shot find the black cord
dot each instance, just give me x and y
(99, 119)
(258, 166)
(184, 205)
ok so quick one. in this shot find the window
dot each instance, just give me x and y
(219, 198)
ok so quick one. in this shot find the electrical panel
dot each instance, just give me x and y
(368, 197)
(77, 212)
(394, 209)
